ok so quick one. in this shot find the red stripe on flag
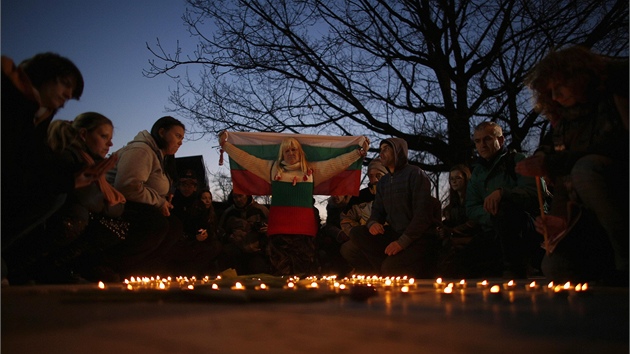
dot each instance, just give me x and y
(245, 182)
(291, 221)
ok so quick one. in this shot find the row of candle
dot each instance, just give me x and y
(511, 285)
(402, 284)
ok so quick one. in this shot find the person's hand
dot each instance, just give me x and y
(491, 203)
(222, 137)
(89, 174)
(377, 229)
(532, 166)
(444, 232)
(366, 144)
(166, 208)
(393, 248)
(554, 224)
(202, 235)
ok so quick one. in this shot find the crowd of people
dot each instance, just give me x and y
(73, 211)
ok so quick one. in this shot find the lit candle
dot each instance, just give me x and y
(532, 286)
(582, 289)
(101, 285)
(404, 289)
(483, 284)
(439, 283)
(388, 284)
(238, 286)
(495, 292)
(462, 284)
(511, 285)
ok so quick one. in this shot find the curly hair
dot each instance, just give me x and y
(575, 67)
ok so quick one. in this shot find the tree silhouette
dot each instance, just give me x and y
(425, 71)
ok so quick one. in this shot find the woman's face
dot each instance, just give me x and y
(457, 181)
(206, 199)
(562, 94)
(98, 140)
(291, 155)
(173, 137)
(54, 94)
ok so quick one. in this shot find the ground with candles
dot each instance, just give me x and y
(267, 314)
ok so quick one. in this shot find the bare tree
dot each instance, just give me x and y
(222, 185)
(422, 70)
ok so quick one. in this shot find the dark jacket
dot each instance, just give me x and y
(498, 173)
(403, 199)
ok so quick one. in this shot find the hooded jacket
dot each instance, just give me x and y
(403, 198)
(139, 174)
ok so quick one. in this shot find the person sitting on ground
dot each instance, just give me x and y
(243, 229)
(358, 213)
(33, 185)
(504, 204)
(292, 223)
(400, 238)
(457, 230)
(585, 157)
(144, 175)
(184, 200)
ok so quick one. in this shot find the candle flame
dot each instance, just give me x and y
(495, 289)
(404, 289)
(101, 285)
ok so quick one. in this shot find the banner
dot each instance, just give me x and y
(316, 147)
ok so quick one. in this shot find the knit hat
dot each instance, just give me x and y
(377, 164)
(189, 176)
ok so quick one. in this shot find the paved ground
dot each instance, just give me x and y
(85, 319)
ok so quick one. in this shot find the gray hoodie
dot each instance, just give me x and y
(403, 199)
(139, 174)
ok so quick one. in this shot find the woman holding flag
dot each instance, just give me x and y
(291, 225)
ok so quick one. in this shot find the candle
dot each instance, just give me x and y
(582, 289)
(511, 285)
(483, 284)
(462, 284)
(532, 286)
(439, 283)
(404, 289)
(101, 285)
(238, 286)
(495, 292)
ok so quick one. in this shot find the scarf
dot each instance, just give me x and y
(111, 195)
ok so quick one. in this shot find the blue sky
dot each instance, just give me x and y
(107, 41)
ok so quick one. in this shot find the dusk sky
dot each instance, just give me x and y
(107, 41)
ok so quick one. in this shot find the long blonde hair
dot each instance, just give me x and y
(286, 144)
(64, 134)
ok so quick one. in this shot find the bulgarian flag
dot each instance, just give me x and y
(316, 147)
